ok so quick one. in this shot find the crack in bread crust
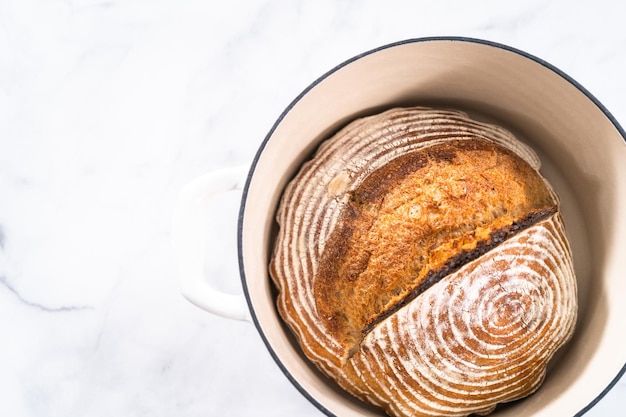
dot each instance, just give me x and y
(461, 259)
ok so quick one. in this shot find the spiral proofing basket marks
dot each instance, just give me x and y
(466, 315)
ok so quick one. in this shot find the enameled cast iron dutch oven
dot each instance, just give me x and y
(583, 152)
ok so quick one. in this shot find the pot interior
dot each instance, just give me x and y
(583, 153)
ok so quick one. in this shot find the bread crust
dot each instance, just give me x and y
(394, 215)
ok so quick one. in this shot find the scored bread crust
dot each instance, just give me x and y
(422, 263)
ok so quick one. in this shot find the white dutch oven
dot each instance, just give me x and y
(583, 151)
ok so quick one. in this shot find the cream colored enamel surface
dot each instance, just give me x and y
(569, 130)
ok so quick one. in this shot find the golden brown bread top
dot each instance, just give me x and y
(421, 262)
(379, 254)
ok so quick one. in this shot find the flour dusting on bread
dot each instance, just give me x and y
(421, 262)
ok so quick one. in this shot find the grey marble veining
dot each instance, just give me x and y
(107, 108)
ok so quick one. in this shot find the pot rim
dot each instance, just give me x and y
(291, 105)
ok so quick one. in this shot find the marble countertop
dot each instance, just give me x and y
(107, 108)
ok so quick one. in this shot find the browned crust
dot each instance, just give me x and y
(359, 281)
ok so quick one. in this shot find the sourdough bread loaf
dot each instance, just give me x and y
(421, 263)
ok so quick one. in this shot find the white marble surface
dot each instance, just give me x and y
(108, 107)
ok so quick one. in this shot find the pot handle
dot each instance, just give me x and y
(189, 242)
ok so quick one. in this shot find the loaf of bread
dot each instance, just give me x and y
(422, 264)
